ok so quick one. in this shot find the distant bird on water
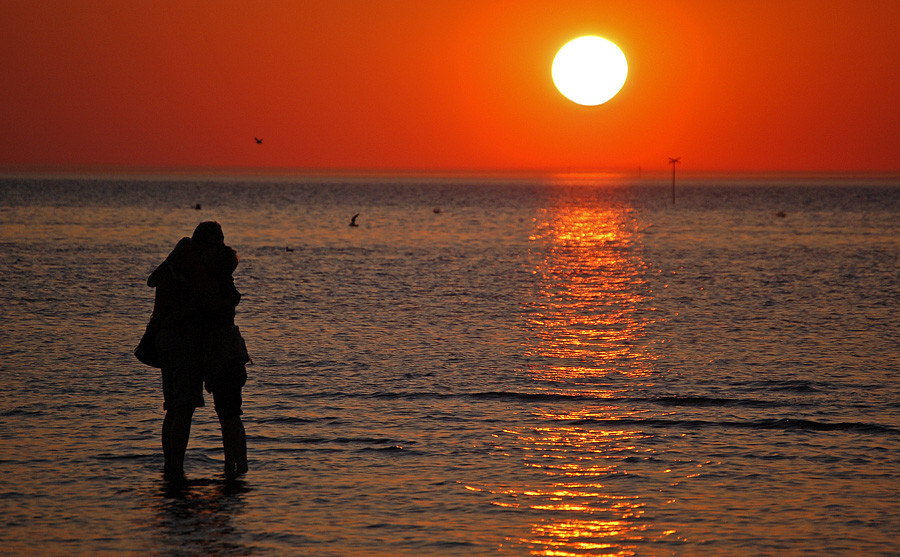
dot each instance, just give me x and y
(353, 220)
(258, 140)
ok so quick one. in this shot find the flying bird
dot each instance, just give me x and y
(258, 140)
(353, 220)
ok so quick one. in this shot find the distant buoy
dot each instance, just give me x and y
(437, 210)
(197, 207)
(780, 214)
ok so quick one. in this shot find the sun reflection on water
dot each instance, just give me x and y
(583, 509)
(593, 305)
(587, 328)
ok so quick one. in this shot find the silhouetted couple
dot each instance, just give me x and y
(196, 342)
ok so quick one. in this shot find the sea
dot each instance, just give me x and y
(569, 365)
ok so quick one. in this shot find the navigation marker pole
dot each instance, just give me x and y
(673, 162)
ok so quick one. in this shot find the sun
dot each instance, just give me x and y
(589, 70)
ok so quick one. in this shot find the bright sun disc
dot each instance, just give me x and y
(589, 70)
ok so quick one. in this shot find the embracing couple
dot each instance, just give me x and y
(193, 339)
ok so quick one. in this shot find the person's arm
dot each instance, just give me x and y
(156, 277)
(171, 279)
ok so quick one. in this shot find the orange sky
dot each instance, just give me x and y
(776, 85)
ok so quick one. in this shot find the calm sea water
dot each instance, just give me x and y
(563, 368)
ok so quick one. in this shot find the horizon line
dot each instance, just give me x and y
(584, 173)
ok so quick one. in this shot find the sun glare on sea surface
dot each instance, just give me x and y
(589, 70)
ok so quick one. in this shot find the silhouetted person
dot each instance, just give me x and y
(225, 354)
(193, 308)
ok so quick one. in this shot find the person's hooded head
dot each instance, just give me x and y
(208, 234)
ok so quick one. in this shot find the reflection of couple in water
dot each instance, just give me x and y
(193, 333)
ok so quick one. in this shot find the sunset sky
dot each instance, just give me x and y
(442, 85)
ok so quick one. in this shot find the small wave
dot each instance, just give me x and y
(374, 442)
(128, 456)
(665, 400)
(785, 424)
(285, 420)
(389, 449)
(367, 440)
(410, 395)
(550, 397)
(539, 397)
(20, 412)
(787, 385)
(700, 401)
(794, 424)
(495, 395)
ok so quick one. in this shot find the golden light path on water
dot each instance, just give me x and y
(587, 329)
(587, 317)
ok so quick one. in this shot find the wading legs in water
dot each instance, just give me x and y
(234, 441)
(175, 435)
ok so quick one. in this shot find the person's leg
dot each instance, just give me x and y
(227, 400)
(183, 391)
(175, 435)
(234, 442)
